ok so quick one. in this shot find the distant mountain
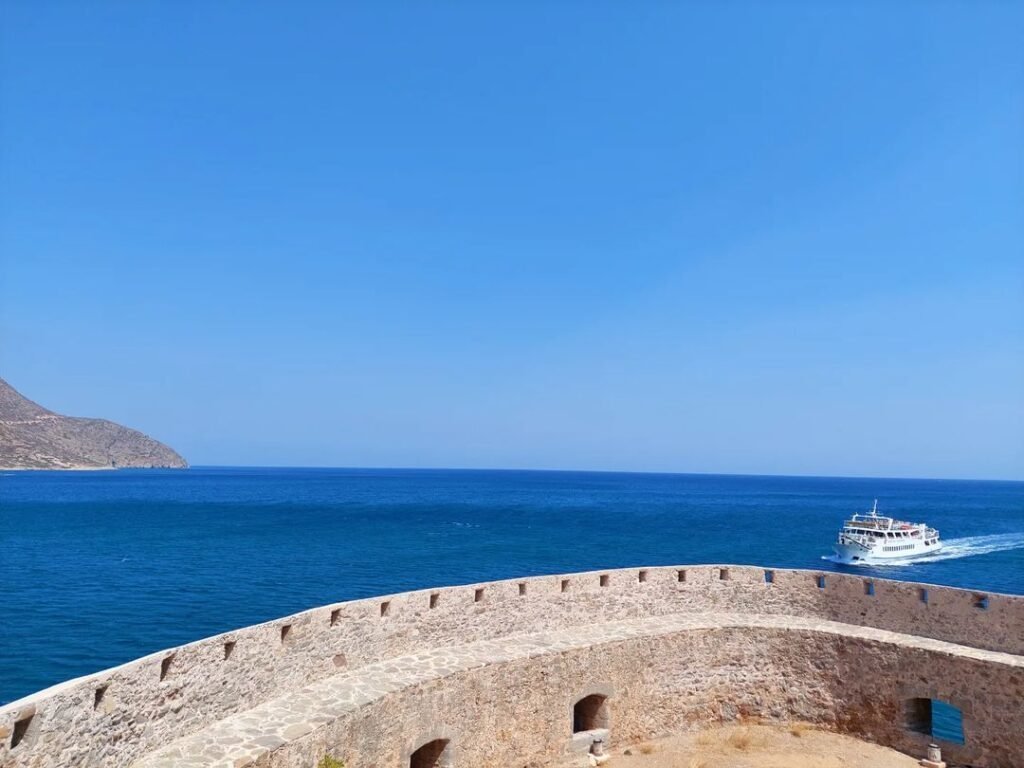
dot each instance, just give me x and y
(31, 437)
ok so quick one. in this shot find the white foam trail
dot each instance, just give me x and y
(952, 549)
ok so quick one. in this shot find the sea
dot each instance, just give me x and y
(98, 568)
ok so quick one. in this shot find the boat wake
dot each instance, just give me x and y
(952, 549)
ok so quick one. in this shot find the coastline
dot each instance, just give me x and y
(82, 468)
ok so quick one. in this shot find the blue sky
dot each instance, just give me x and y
(709, 237)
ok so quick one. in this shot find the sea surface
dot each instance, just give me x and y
(99, 568)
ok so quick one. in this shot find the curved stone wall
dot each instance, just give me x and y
(495, 668)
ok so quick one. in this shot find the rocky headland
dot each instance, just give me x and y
(33, 437)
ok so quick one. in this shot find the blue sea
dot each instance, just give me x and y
(99, 568)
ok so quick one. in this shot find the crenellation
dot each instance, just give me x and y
(145, 705)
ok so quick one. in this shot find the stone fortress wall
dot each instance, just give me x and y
(528, 672)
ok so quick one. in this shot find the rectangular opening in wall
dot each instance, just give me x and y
(869, 588)
(918, 715)
(681, 576)
(478, 596)
(820, 581)
(603, 580)
(642, 577)
(286, 630)
(981, 602)
(565, 585)
(522, 588)
(769, 577)
(922, 595)
(229, 648)
(335, 616)
(723, 574)
(165, 665)
(935, 718)
(97, 697)
(435, 599)
(385, 608)
(20, 730)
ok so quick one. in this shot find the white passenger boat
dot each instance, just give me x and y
(875, 538)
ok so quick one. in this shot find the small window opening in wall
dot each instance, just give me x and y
(478, 596)
(385, 608)
(229, 648)
(565, 585)
(869, 588)
(923, 595)
(769, 577)
(435, 599)
(286, 630)
(821, 582)
(680, 576)
(335, 616)
(165, 665)
(97, 697)
(919, 715)
(20, 729)
(642, 577)
(603, 580)
(981, 601)
(522, 588)
(433, 754)
(339, 660)
(935, 718)
(590, 713)
(723, 574)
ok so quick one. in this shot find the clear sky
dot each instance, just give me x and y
(706, 237)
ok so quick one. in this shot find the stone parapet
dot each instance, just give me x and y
(886, 643)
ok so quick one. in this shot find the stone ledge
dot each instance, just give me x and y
(244, 738)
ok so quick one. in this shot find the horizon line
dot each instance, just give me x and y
(599, 471)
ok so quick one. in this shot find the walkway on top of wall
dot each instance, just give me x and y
(241, 739)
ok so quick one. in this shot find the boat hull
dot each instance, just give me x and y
(855, 554)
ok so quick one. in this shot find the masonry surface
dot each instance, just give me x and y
(488, 674)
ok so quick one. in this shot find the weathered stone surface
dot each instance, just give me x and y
(497, 674)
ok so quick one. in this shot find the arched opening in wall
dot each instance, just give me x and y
(433, 754)
(590, 713)
(935, 718)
